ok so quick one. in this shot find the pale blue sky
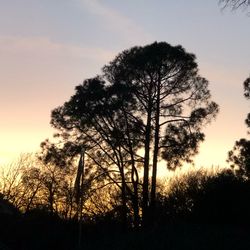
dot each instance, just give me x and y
(47, 47)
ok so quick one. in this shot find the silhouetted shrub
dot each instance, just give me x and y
(202, 198)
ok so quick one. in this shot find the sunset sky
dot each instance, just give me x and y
(47, 47)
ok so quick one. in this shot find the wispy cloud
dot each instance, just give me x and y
(43, 46)
(116, 22)
(36, 69)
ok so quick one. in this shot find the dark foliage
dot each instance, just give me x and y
(218, 220)
(221, 199)
(239, 158)
(246, 85)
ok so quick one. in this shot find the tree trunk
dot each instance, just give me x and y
(155, 154)
(134, 177)
(124, 202)
(145, 190)
(135, 200)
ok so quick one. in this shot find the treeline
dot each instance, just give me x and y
(28, 185)
(195, 204)
(201, 195)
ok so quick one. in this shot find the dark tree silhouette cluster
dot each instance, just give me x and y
(149, 99)
(239, 156)
(201, 198)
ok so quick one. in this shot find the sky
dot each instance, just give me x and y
(47, 47)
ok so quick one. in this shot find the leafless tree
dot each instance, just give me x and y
(235, 4)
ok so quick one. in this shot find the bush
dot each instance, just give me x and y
(202, 198)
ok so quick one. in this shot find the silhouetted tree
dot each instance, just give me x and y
(12, 185)
(239, 156)
(94, 178)
(96, 118)
(149, 98)
(235, 4)
(171, 97)
(246, 85)
(30, 184)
